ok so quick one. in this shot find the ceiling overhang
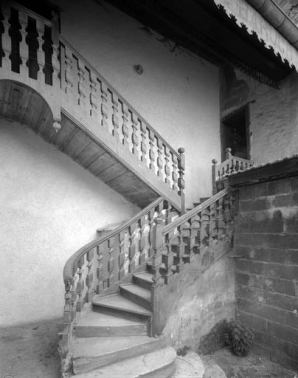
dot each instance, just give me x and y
(272, 31)
(219, 31)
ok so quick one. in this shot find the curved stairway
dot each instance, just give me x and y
(112, 340)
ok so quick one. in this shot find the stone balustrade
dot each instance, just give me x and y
(231, 165)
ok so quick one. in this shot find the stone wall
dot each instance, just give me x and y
(266, 275)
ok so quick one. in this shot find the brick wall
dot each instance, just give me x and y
(266, 243)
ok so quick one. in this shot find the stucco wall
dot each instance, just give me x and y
(178, 93)
(50, 207)
(200, 297)
(273, 113)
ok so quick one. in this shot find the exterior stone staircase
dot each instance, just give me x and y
(116, 323)
(113, 284)
(117, 328)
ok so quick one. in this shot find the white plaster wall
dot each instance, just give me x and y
(178, 93)
(50, 207)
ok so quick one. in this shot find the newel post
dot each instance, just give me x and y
(181, 182)
(228, 153)
(214, 176)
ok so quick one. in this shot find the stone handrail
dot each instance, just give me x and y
(231, 165)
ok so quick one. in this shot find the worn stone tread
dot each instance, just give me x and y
(117, 301)
(95, 324)
(137, 290)
(145, 276)
(157, 364)
(92, 353)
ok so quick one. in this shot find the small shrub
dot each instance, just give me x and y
(239, 337)
(183, 351)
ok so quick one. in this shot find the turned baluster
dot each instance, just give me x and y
(167, 166)
(159, 158)
(151, 150)
(100, 269)
(15, 38)
(209, 212)
(125, 132)
(89, 277)
(6, 41)
(180, 249)
(74, 296)
(82, 84)
(195, 227)
(122, 257)
(220, 212)
(104, 108)
(214, 176)
(199, 233)
(134, 135)
(132, 248)
(67, 313)
(151, 218)
(181, 183)
(174, 172)
(142, 240)
(40, 53)
(111, 262)
(115, 119)
(55, 46)
(80, 285)
(226, 213)
(24, 51)
(216, 219)
(66, 69)
(157, 244)
(143, 142)
(93, 96)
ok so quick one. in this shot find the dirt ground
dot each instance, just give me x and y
(30, 351)
(252, 366)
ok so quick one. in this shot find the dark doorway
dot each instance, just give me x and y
(235, 134)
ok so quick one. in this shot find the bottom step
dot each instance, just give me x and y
(95, 352)
(158, 364)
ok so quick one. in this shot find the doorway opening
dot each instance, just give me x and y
(235, 134)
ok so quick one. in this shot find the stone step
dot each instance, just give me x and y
(143, 279)
(157, 364)
(136, 294)
(117, 305)
(95, 352)
(95, 324)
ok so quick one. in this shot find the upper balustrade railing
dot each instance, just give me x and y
(231, 165)
(34, 53)
(88, 97)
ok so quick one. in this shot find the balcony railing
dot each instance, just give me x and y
(34, 54)
(231, 165)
